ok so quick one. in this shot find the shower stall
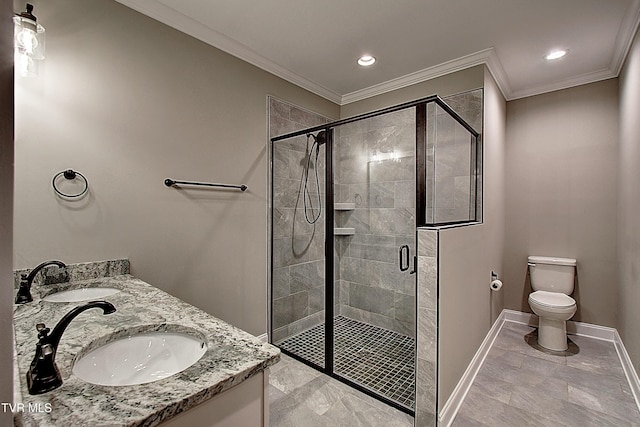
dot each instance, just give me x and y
(347, 198)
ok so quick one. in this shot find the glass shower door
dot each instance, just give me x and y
(346, 198)
(374, 187)
(298, 245)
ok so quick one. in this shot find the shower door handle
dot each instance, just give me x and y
(403, 259)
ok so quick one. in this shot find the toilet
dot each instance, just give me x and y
(552, 282)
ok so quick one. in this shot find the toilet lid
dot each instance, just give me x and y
(552, 299)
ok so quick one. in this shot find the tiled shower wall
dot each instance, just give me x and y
(298, 247)
(375, 170)
(469, 106)
(427, 339)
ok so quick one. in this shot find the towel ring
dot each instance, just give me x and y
(70, 174)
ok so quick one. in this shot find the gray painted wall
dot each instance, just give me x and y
(128, 102)
(467, 255)
(629, 205)
(561, 192)
(6, 210)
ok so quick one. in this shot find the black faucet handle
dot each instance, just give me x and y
(43, 331)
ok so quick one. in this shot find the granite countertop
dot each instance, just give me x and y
(232, 356)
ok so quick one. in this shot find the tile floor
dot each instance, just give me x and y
(520, 385)
(377, 358)
(300, 396)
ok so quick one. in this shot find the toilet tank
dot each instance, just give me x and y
(552, 274)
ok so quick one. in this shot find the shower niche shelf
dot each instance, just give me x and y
(344, 206)
(344, 231)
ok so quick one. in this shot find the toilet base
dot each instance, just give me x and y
(552, 334)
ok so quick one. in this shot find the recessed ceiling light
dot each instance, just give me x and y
(555, 54)
(366, 60)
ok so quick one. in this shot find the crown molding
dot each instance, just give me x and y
(171, 17)
(625, 36)
(582, 79)
(439, 70)
(626, 33)
(624, 39)
(500, 76)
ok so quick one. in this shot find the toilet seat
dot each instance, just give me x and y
(552, 299)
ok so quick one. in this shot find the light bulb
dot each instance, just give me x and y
(366, 60)
(29, 37)
(25, 66)
(26, 41)
(556, 54)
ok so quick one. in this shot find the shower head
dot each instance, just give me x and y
(321, 137)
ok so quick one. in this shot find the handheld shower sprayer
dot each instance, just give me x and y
(312, 161)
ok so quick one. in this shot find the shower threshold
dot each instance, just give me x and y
(378, 359)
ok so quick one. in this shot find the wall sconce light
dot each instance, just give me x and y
(28, 42)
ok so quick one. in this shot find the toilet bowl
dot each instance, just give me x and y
(552, 282)
(553, 310)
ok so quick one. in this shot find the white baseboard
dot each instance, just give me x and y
(452, 405)
(520, 317)
(627, 367)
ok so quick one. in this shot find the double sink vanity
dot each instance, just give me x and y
(137, 357)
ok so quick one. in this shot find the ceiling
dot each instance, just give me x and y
(315, 44)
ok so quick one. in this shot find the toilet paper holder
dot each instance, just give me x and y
(495, 283)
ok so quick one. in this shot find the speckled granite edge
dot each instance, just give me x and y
(232, 356)
(76, 272)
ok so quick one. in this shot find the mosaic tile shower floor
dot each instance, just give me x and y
(377, 358)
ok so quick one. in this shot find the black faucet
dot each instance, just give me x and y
(24, 292)
(43, 375)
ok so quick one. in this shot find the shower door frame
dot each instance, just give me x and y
(420, 220)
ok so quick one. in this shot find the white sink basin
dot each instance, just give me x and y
(140, 358)
(82, 294)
